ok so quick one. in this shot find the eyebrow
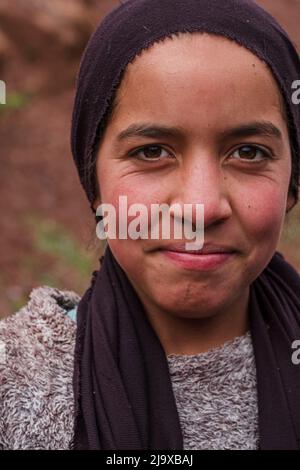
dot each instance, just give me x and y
(263, 128)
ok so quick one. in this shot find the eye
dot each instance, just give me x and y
(151, 153)
(251, 153)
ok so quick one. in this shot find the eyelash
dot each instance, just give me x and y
(267, 154)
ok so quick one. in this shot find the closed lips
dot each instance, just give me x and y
(205, 250)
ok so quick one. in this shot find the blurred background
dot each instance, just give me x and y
(46, 226)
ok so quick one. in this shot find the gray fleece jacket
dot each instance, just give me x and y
(36, 366)
(215, 391)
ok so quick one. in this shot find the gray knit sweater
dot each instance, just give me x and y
(215, 392)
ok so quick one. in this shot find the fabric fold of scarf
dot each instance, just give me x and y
(123, 393)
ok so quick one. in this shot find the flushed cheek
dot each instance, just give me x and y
(262, 220)
(128, 252)
(137, 191)
(137, 187)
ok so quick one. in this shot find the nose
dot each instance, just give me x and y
(203, 182)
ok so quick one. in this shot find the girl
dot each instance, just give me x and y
(178, 102)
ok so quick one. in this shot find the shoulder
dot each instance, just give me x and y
(36, 367)
(42, 324)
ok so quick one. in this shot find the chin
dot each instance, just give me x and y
(189, 304)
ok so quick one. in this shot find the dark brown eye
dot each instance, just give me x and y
(251, 153)
(150, 152)
(153, 152)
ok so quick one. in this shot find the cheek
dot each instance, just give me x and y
(116, 179)
(128, 252)
(123, 197)
(138, 189)
(262, 217)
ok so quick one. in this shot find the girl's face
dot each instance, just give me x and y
(228, 149)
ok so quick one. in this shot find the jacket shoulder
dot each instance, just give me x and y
(36, 371)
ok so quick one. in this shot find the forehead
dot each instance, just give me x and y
(190, 73)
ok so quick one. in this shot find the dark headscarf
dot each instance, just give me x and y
(122, 388)
(135, 26)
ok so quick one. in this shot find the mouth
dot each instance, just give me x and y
(209, 257)
(207, 249)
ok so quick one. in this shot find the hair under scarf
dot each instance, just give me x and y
(122, 388)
